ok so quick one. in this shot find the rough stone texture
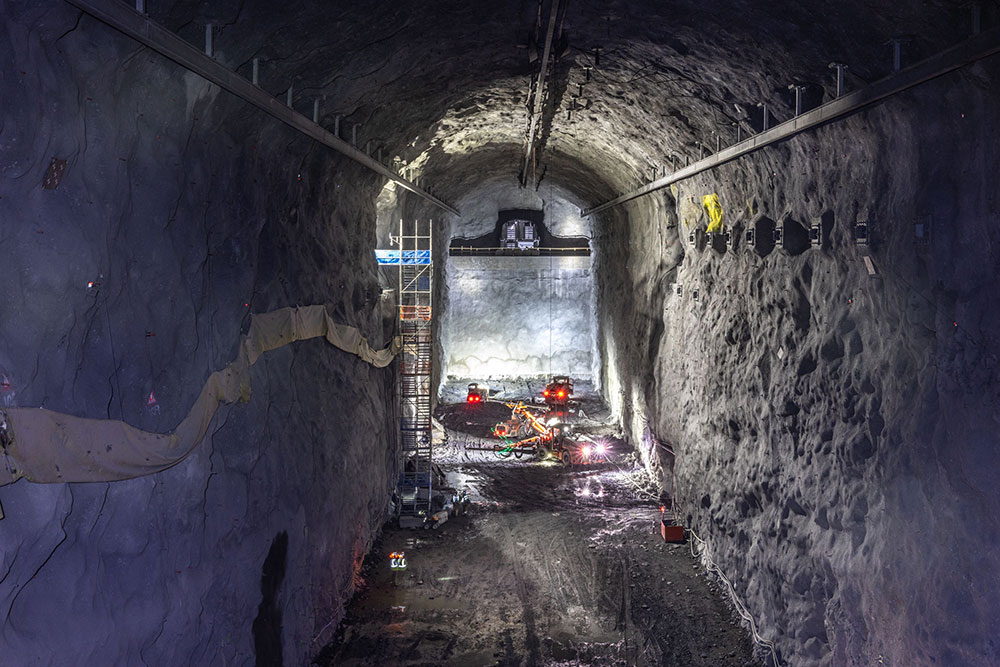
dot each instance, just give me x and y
(532, 317)
(834, 434)
(187, 213)
(510, 316)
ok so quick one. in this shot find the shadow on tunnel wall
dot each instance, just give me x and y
(763, 241)
(267, 625)
(795, 236)
(826, 229)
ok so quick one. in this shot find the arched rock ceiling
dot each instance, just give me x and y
(443, 85)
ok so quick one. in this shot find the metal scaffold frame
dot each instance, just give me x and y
(416, 271)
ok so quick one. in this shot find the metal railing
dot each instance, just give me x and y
(518, 252)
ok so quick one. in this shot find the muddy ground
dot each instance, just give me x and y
(552, 565)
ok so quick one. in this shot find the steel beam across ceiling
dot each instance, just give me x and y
(976, 48)
(127, 20)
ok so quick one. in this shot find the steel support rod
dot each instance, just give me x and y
(124, 18)
(767, 115)
(798, 97)
(981, 46)
(840, 67)
(897, 59)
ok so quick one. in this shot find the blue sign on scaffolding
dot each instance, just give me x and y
(408, 256)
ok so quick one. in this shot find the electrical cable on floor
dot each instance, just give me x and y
(740, 608)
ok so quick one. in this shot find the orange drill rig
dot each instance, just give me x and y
(526, 432)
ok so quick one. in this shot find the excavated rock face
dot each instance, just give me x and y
(176, 217)
(830, 427)
(513, 316)
(834, 434)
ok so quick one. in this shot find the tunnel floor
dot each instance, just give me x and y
(552, 565)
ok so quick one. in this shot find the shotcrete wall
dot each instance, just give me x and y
(835, 432)
(518, 316)
(179, 213)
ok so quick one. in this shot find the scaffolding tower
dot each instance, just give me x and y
(415, 311)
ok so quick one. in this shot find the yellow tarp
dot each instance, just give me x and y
(46, 446)
(713, 208)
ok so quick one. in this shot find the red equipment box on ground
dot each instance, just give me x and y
(671, 533)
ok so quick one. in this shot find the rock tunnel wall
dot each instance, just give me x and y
(518, 316)
(178, 213)
(508, 316)
(835, 433)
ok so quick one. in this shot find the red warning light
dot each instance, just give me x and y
(545, 393)
(561, 394)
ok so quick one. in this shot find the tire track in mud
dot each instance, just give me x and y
(527, 608)
(552, 566)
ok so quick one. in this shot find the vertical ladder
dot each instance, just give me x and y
(415, 289)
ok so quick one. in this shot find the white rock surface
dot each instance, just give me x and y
(510, 316)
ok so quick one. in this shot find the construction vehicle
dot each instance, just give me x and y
(522, 423)
(478, 393)
(557, 393)
(544, 435)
